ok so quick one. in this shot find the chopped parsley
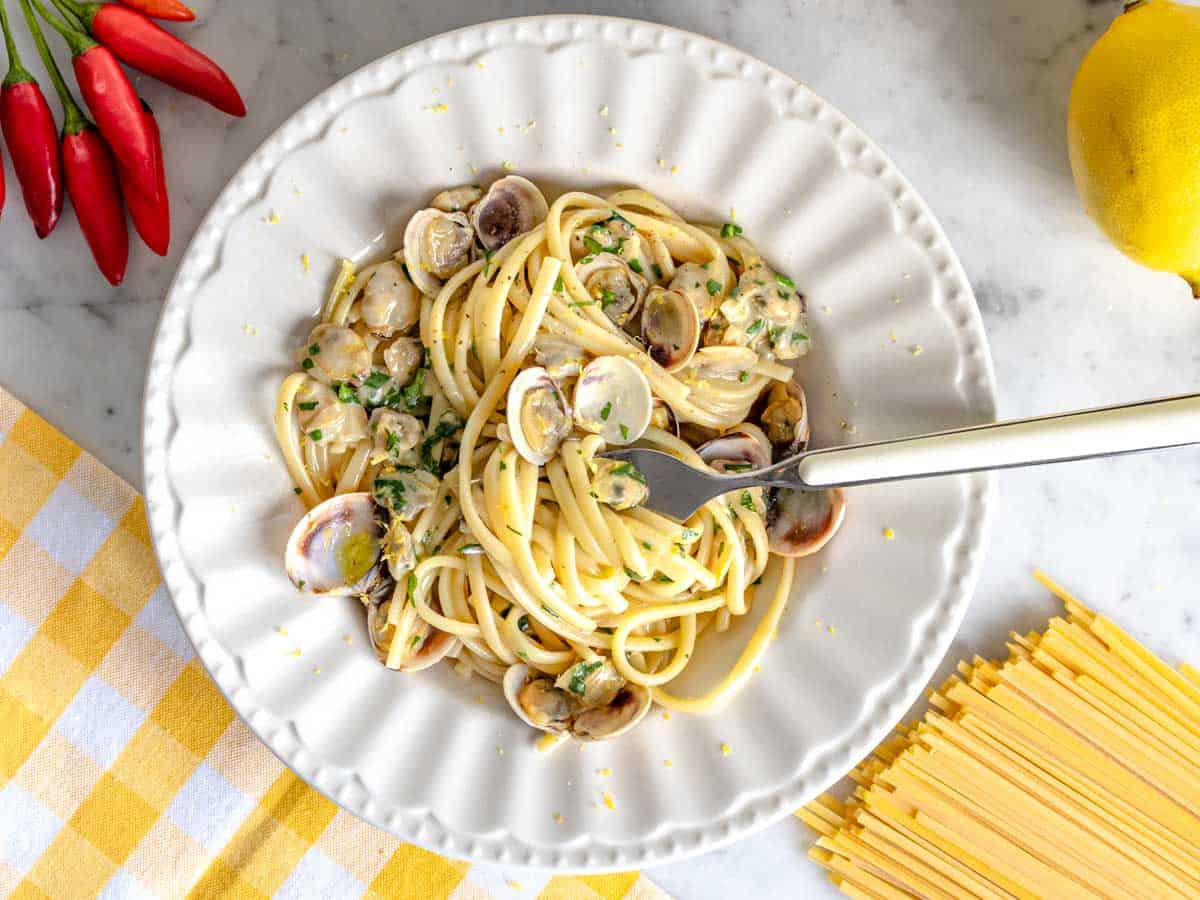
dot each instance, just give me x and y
(657, 270)
(416, 639)
(633, 575)
(487, 261)
(307, 364)
(414, 393)
(315, 434)
(580, 304)
(346, 392)
(606, 411)
(748, 502)
(558, 285)
(578, 683)
(376, 379)
(523, 655)
(636, 265)
(786, 282)
(662, 578)
(624, 431)
(393, 442)
(730, 229)
(445, 428)
(412, 588)
(503, 466)
(630, 470)
(314, 350)
(594, 246)
(297, 490)
(743, 376)
(756, 327)
(646, 545)
(774, 332)
(308, 407)
(713, 286)
(607, 298)
(798, 336)
(390, 491)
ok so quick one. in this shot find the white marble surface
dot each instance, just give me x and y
(969, 98)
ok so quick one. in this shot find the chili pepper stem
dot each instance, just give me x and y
(17, 73)
(74, 121)
(72, 14)
(76, 40)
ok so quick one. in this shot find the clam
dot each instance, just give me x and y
(785, 418)
(670, 328)
(397, 548)
(337, 426)
(405, 491)
(741, 449)
(692, 280)
(610, 282)
(334, 353)
(425, 645)
(335, 549)
(394, 434)
(723, 362)
(536, 701)
(512, 206)
(312, 398)
(457, 199)
(390, 302)
(402, 357)
(620, 714)
(561, 357)
(541, 703)
(663, 417)
(538, 417)
(436, 245)
(766, 309)
(612, 399)
(618, 484)
(802, 522)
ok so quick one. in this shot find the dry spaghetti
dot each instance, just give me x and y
(1072, 769)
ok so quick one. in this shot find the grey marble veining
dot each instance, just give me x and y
(969, 98)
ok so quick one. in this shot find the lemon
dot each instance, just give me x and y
(1133, 129)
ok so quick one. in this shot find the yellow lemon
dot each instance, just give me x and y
(1134, 135)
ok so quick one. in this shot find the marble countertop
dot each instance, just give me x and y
(967, 96)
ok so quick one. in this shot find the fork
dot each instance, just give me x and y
(678, 489)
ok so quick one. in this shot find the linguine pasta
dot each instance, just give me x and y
(445, 427)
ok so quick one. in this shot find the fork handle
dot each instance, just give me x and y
(1107, 431)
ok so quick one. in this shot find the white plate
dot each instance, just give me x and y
(579, 101)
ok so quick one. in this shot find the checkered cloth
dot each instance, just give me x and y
(123, 772)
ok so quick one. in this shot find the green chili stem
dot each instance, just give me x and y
(74, 120)
(76, 40)
(17, 73)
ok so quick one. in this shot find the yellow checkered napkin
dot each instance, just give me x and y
(123, 772)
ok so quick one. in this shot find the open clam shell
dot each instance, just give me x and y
(613, 399)
(538, 416)
(335, 549)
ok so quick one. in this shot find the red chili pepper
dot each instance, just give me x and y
(32, 139)
(91, 176)
(113, 103)
(171, 10)
(151, 215)
(146, 46)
